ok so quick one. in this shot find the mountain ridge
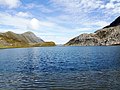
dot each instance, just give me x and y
(109, 35)
(116, 22)
(10, 39)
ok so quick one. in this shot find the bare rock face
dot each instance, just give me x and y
(84, 40)
(109, 35)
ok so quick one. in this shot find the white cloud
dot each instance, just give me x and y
(86, 13)
(21, 22)
(23, 14)
(114, 0)
(76, 6)
(42, 8)
(112, 8)
(34, 24)
(10, 3)
(85, 29)
(100, 24)
(15, 21)
(109, 5)
(83, 8)
(29, 6)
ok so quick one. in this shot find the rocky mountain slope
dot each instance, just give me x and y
(30, 37)
(109, 35)
(11, 39)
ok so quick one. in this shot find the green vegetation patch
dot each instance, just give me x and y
(44, 44)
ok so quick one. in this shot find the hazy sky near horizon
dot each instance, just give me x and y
(57, 20)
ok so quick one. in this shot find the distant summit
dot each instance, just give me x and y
(28, 39)
(31, 37)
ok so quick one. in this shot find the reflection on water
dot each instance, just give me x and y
(60, 68)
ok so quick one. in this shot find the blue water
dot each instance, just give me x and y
(60, 68)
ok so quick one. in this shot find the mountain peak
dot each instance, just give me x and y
(27, 37)
(9, 32)
(116, 22)
(28, 32)
(32, 37)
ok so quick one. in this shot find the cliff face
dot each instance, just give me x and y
(11, 39)
(109, 35)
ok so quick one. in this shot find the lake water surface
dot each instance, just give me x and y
(60, 68)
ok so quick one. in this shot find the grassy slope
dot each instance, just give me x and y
(44, 44)
(12, 40)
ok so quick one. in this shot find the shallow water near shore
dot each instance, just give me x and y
(60, 68)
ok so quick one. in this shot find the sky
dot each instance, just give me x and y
(57, 20)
